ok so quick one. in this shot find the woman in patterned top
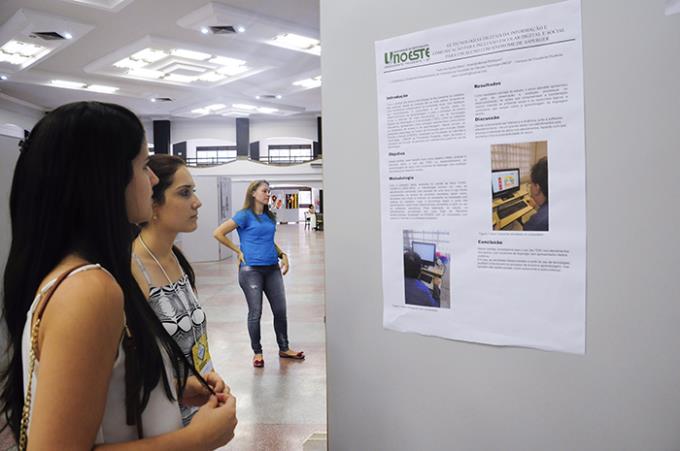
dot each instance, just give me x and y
(162, 271)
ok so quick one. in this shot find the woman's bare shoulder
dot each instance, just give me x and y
(89, 303)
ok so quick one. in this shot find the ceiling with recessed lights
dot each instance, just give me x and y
(163, 58)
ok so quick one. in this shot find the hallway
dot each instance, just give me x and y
(280, 405)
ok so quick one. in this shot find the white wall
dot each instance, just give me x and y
(22, 116)
(262, 128)
(238, 191)
(148, 129)
(14, 119)
(199, 245)
(9, 153)
(222, 129)
(395, 391)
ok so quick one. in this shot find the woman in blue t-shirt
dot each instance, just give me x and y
(259, 270)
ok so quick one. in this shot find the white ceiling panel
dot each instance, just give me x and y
(194, 69)
(253, 27)
(29, 37)
(157, 60)
(107, 5)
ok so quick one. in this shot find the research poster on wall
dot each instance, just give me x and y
(482, 176)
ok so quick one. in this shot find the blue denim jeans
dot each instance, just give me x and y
(254, 280)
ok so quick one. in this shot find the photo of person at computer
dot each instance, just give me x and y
(426, 278)
(519, 186)
(539, 196)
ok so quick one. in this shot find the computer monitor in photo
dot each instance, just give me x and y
(504, 182)
(426, 251)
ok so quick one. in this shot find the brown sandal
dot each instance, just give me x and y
(299, 356)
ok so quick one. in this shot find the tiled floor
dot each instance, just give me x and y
(282, 404)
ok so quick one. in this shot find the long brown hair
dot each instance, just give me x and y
(249, 201)
(165, 167)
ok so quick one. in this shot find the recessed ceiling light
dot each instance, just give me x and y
(67, 84)
(243, 106)
(146, 73)
(190, 54)
(205, 30)
(149, 55)
(309, 83)
(68, 35)
(240, 29)
(127, 63)
(102, 88)
(209, 109)
(21, 48)
(297, 42)
(78, 85)
(21, 53)
(180, 78)
(278, 96)
(232, 70)
(212, 76)
(3, 77)
(225, 61)
(13, 59)
(236, 113)
(153, 100)
(267, 110)
(257, 97)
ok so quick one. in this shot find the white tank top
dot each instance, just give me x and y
(160, 416)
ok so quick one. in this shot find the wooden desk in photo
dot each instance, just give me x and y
(525, 213)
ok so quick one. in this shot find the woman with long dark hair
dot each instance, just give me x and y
(109, 374)
(162, 271)
(259, 270)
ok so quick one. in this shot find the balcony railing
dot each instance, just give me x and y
(208, 161)
(275, 160)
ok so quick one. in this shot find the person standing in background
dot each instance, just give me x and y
(259, 270)
(310, 218)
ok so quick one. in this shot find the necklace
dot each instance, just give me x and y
(141, 240)
(172, 285)
(199, 351)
